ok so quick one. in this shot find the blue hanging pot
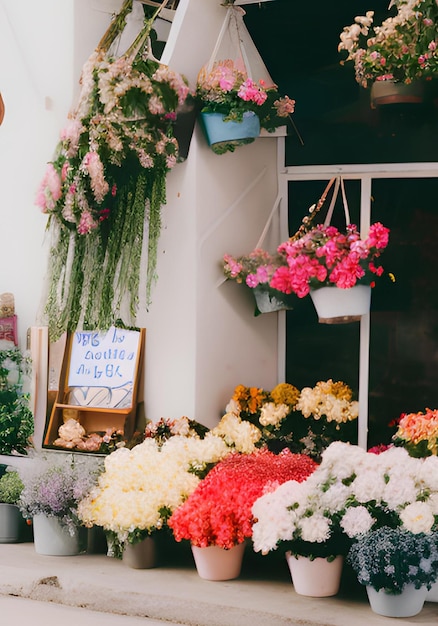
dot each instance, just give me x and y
(224, 136)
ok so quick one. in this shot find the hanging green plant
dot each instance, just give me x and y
(107, 178)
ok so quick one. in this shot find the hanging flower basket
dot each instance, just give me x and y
(270, 300)
(339, 306)
(384, 92)
(223, 135)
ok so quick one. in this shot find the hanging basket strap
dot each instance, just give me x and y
(339, 184)
(232, 12)
(116, 27)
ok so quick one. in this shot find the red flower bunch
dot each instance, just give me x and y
(218, 512)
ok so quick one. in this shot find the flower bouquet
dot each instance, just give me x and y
(225, 91)
(402, 50)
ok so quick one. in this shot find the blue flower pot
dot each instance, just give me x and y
(224, 136)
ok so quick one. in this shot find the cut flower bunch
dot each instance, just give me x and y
(418, 433)
(402, 49)
(107, 176)
(218, 512)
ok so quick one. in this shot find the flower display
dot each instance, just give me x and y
(326, 256)
(107, 176)
(218, 512)
(54, 486)
(418, 433)
(305, 421)
(226, 88)
(350, 494)
(402, 49)
(140, 488)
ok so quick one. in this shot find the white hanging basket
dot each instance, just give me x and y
(339, 306)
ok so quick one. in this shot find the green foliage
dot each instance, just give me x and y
(11, 487)
(16, 418)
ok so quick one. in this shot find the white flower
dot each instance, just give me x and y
(417, 517)
(315, 528)
(356, 521)
(272, 414)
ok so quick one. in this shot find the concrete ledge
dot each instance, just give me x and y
(262, 596)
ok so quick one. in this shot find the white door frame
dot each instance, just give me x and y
(365, 173)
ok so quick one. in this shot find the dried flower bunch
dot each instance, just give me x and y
(108, 174)
(403, 48)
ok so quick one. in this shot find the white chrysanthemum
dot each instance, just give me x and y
(315, 528)
(343, 460)
(356, 521)
(334, 498)
(428, 472)
(272, 414)
(274, 522)
(417, 517)
(397, 493)
(368, 485)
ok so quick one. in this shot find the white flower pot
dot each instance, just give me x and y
(53, 538)
(317, 578)
(335, 305)
(215, 563)
(406, 604)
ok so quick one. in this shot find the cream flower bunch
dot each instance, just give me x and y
(403, 48)
(140, 488)
(328, 400)
(237, 433)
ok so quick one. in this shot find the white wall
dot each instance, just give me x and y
(202, 339)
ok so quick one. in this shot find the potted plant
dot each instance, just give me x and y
(217, 518)
(255, 271)
(397, 567)
(140, 488)
(304, 520)
(16, 417)
(54, 485)
(325, 258)
(418, 433)
(11, 520)
(395, 57)
(234, 107)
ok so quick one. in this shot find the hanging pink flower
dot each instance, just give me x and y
(49, 191)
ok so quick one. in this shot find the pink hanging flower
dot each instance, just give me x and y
(50, 190)
(86, 223)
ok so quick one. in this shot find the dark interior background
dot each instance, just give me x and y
(338, 126)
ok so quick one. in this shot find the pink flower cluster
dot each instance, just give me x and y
(218, 512)
(326, 256)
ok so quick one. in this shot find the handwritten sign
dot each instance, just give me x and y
(104, 359)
